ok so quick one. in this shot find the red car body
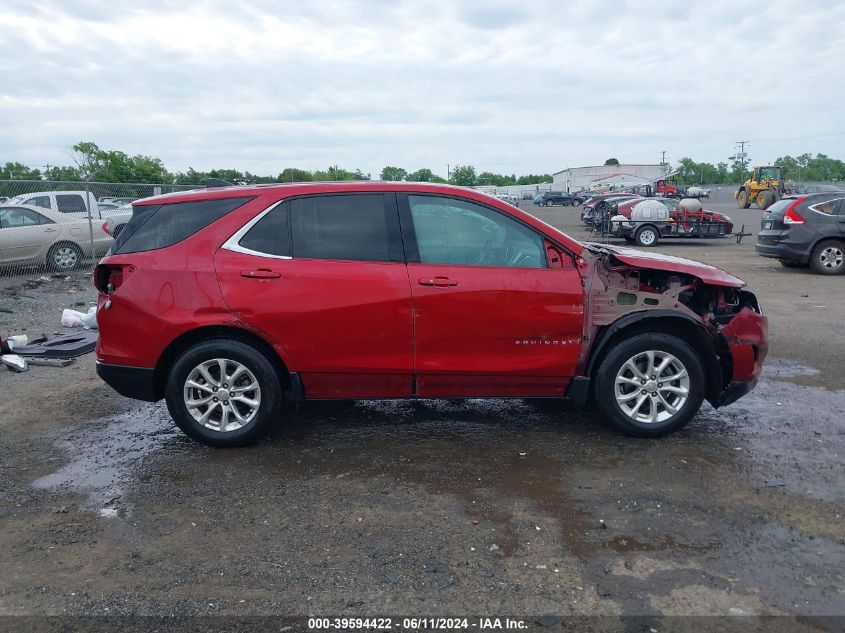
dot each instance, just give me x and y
(404, 328)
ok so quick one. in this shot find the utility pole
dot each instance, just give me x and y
(663, 157)
(448, 173)
(742, 155)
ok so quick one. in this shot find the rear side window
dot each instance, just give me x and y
(352, 227)
(40, 201)
(71, 203)
(158, 226)
(271, 234)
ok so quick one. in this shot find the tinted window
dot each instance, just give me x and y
(458, 232)
(340, 227)
(270, 234)
(159, 226)
(71, 203)
(828, 207)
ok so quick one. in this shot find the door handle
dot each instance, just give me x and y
(437, 282)
(261, 273)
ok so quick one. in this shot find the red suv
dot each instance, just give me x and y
(228, 301)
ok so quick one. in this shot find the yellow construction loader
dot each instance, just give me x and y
(764, 188)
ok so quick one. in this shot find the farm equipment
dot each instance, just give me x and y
(765, 187)
(651, 220)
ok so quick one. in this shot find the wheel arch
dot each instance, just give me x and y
(290, 381)
(716, 366)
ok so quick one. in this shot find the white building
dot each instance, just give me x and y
(577, 178)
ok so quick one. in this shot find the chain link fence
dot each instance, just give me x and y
(55, 227)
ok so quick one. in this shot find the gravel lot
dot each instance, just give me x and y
(436, 508)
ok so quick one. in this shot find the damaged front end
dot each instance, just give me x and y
(629, 292)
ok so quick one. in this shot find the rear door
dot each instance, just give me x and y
(324, 276)
(493, 314)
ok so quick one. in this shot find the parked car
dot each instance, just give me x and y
(37, 236)
(118, 200)
(117, 220)
(509, 198)
(72, 203)
(226, 302)
(806, 230)
(552, 198)
(597, 205)
(807, 188)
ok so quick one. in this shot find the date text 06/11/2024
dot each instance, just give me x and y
(416, 624)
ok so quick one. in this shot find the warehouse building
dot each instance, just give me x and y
(578, 178)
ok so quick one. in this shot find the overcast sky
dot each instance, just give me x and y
(506, 86)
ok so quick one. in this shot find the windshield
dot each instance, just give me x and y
(769, 173)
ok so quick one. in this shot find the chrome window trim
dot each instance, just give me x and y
(232, 244)
(813, 208)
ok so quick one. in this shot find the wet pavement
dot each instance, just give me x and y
(517, 506)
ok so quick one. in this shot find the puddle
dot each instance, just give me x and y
(106, 455)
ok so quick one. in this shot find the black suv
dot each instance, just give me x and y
(551, 198)
(806, 230)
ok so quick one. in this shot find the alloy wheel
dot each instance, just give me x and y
(652, 387)
(222, 394)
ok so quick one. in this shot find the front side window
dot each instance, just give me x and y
(345, 227)
(70, 203)
(463, 233)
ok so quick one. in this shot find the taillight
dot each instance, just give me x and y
(791, 216)
(107, 278)
(106, 228)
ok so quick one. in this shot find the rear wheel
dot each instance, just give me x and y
(743, 199)
(646, 236)
(650, 385)
(64, 257)
(828, 258)
(224, 392)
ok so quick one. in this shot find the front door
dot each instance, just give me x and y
(491, 317)
(324, 277)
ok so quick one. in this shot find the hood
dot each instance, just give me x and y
(655, 261)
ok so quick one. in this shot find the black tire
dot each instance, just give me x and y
(828, 258)
(574, 202)
(788, 264)
(743, 199)
(270, 385)
(647, 236)
(548, 203)
(605, 389)
(765, 199)
(64, 257)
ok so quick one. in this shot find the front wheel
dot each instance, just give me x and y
(646, 236)
(743, 200)
(650, 385)
(224, 392)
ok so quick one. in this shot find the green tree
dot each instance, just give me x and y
(293, 174)
(393, 174)
(463, 175)
(611, 161)
(18, 171)
(423, 175)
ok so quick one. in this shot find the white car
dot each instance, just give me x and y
(36, 236)
(67, 202)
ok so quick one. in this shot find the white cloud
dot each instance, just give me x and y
(507, 87)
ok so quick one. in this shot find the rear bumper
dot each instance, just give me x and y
(782, 251)
(132, 382)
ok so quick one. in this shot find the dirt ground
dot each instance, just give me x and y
(437, 508)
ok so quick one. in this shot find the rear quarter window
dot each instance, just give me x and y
(159, 226)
